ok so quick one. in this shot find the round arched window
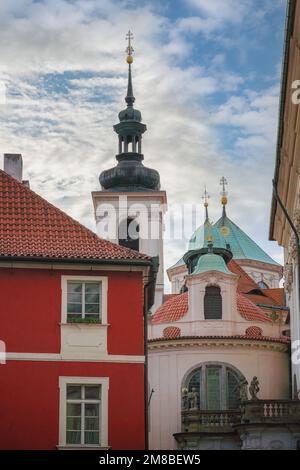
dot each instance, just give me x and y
(213, 387)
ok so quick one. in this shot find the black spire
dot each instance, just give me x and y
(130, 99)
(206, 197)
(130, 174)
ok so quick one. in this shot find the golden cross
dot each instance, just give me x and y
(223, 183)
(129, 48)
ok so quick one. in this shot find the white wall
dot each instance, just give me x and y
(168, 366)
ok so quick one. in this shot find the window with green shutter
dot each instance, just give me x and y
(213, 303)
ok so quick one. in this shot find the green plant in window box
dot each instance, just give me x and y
(88, 319)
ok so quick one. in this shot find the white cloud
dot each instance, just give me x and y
(66, 136)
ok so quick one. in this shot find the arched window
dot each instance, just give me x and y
(213, 387)
(263, 285)
(129, 234)
(212, 303)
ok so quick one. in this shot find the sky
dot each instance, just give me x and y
(206, 78)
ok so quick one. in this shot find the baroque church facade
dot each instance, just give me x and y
(218, 346)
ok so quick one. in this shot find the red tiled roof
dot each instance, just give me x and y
(172, 310)
(171, 332)
(245, 282)
(249, 311)
(168, 296)
(248, 286)
(277, 295)
(32, 227)
(177, 306)
(261, 299)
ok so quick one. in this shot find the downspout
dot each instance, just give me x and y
(149, 290)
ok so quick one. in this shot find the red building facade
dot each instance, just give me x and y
(72, 321)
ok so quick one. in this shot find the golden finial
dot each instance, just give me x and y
(129, 48)
(223, 183)
(205, 196)
(209, 236)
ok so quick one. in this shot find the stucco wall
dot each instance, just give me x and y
(168, 367)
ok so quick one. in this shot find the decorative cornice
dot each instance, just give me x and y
(266, 343)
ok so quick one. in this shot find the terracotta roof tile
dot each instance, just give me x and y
(249, 311)
(176, 307)
(32, 227)
(245, 282)
(172, 310)
(277, 295)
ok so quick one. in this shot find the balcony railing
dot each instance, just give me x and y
(210, 421)
(271, 411)
(257, 411)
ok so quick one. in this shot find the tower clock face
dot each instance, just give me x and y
(225, 231)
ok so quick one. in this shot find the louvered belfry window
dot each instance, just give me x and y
(212, 303)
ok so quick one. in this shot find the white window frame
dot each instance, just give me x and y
(103, 295)
(103, 426)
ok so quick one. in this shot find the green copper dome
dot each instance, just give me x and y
(241, 245)
(211, 262)
(130, 114)
(202, 235)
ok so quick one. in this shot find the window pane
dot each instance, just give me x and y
(195, 381)
(73, 409)
(233, 399)
(92, 298)
(74, 298)
(91, 437)
(73, 392)
(92, 392)
(73, 437)
(74, 287)
(92, 410)
(213, 388)
(74, 308)
(73, 424)
(92, 288)
(91, 424)
(91, 308)
(212, 303)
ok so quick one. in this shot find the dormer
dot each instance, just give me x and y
(212, 290)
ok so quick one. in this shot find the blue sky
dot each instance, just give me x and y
(206, 78)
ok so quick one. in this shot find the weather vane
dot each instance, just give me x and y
(129, 49)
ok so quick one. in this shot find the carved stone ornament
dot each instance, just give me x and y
(254, 388)
(288, 277)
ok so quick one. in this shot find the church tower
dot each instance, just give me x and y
(130, 206)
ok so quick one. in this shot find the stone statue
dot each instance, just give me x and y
(185, 403)
(254, 388)
(243, 390)
(193, 399)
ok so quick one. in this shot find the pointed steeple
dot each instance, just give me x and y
(130, 99)
(130, 174)
(206, 197)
